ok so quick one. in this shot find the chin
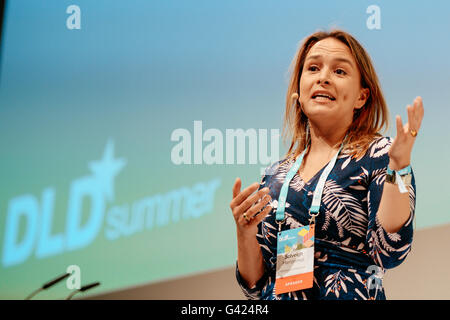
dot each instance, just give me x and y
(314, 108)
(322, 113)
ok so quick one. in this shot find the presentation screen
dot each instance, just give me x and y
(124, 124)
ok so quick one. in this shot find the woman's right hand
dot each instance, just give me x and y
(247, 204)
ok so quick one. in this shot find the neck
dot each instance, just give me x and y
(325, 141)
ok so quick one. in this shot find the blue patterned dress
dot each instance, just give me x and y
(352, 249)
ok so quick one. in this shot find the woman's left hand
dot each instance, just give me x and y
(400, 151)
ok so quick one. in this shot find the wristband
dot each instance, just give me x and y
(401, 177)
(401, 172)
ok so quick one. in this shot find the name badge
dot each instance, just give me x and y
(295, 259)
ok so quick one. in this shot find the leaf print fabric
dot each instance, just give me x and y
(349, 238)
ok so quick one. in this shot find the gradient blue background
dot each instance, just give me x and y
(137, 70)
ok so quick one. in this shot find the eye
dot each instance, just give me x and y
(343, 72)
(311, 68)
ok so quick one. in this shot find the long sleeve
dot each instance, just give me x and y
(255, 293)
(388, 250)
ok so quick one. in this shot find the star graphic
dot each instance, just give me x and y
(106, 169)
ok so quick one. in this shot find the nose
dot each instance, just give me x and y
(324, 76)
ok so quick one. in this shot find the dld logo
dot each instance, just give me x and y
(97, 187)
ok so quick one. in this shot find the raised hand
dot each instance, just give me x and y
(401, 148)
(245, 205)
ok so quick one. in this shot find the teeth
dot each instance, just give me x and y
(323, 95)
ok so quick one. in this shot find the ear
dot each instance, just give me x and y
(363, 96)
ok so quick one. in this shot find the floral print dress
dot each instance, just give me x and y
(352, 249)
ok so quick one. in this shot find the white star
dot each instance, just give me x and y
(106, 169)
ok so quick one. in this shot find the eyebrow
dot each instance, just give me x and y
(335, 59)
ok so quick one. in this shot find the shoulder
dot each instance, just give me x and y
(374, 157)
(376, 149)
(276, 171)
(379, 147)
(275, 168)
(377, 155)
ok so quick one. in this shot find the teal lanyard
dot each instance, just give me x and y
(315, 205)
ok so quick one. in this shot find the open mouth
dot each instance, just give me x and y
(323, 97)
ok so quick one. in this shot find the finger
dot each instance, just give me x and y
(244, 194)
(257, 207)
(398, 121)
(416, 111)
(258, 218)
(245, 205)
(421, 106)
(420, 112)
(237, 187)
(411, 116)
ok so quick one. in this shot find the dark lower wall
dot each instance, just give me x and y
(424, 275)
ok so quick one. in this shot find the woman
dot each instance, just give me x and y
(334, 112)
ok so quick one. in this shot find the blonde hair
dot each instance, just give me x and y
(367, 121)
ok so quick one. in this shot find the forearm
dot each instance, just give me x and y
(394, 209)
(250, 260)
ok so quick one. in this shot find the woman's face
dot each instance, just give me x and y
(330, 69)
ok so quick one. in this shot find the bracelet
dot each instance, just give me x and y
(404, 171)
(401, 177)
